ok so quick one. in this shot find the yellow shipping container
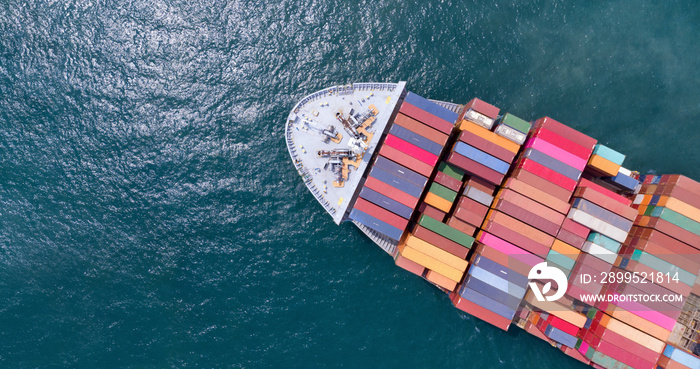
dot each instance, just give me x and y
(603, 165)
(566, 249)
(438, 202)
(632, 333)
(430, 263)
(441, 280)
(436, 253)
(490, 136)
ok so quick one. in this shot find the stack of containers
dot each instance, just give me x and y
(479, 112)
(401, 170)
(611, 343)
(513, 128)
(440, 249)
(483, 153)
(605, 161)
(676, 358)
(625, 180)
(496, 282)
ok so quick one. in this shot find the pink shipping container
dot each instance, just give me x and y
(411, 149)
(556, 152)
(548, 174)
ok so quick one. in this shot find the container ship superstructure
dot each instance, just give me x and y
(484, 205)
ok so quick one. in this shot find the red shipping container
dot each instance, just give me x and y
(624, 356)
(606, 202)
(566, 132)
(391, 192)
(679, 288)
(426, 118)
(461, 226)
(563, 325)
(575, 354)
(681, 194)
(380, 213)
(562, 143)
(548, 174)
(480, 185)
(482, 107)
(570, 238)
(584, 182)
(527, 217)
(469, 216)
(447, 181)
(421, 129)
(538, 195)
(507, 261)
(473, 206)
(481, 313)
(440, 242)
(432, 212)
(409, 265)
(516, 238)
(475, 168)
(575, 228)
(686, 260)
(542, 184)
(410, 149)
(672, 230)
(406, 160)
(680, 181)
(487, 146)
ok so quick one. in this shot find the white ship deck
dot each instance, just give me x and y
(313, 126)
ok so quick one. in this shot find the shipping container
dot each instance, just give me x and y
(672, 230)
(416, 139)
(410, 149)
(491, 136)
(556, 309)
(440, 241)
(560, 336)
(426, 118)
(510, 134)
(682, 357)
(478, 195)
(487, 302)
(682, 258)
(570, 238)
(565, 249)
(532, 206)
(482, 313)
(432, 212)
(603, 214)
(598, 225)
(441, 280)
(583, 182)
(430, 263)
(487, 289)
(396, 182)
(446, 231)
(431, 107)
(510, 281)
(477, 118)
(380, 213)
(420, 128)
(487, 146)
(447, 181)
(606, 202)
(562, 143)
(515, 252)
(542, 184)
(391, 192)
(641, 323)
(599, 165)
(406, 160)
(516, 238)
(443, 192)
(664, 267)
(516, 123)
(674, 217)
(482, 107)
(481, 157)
(555, 151)
(566, 132)
(376, 224)
(451, 171)
(623, 356)
(438, 202)
(609, 154)
(680, 207)
(409, 265)
(550, 175)
(475, 168)
(562, 261)
(527, 217)
(523, 228)
(461, 226)
(481, 185)
(604, 241)
(386, 203)
(552, 163)
(400, 171)
(537, 194)
(623, 182)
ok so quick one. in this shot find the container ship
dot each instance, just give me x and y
(531, 224)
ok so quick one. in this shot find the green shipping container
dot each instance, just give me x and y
(664, 267)
(608, 153)
(516, 123)
(446, 231)
(451, 171)
(677, 219)
(443, 192)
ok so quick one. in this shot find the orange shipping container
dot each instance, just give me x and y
(438, 202)
(437, 253)
(430, 263)
(490, 136)
(441, 280)
(603, 165)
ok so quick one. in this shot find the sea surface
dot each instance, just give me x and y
(150, 216)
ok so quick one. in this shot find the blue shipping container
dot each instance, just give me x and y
(376, 224)
(431, 107)
(494, 293)
(386, 203)
(481, 157)
(400, 171)
(553, 164)
(416, 139)
(396, 182)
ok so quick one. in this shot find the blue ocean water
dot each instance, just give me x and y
(150, 215)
